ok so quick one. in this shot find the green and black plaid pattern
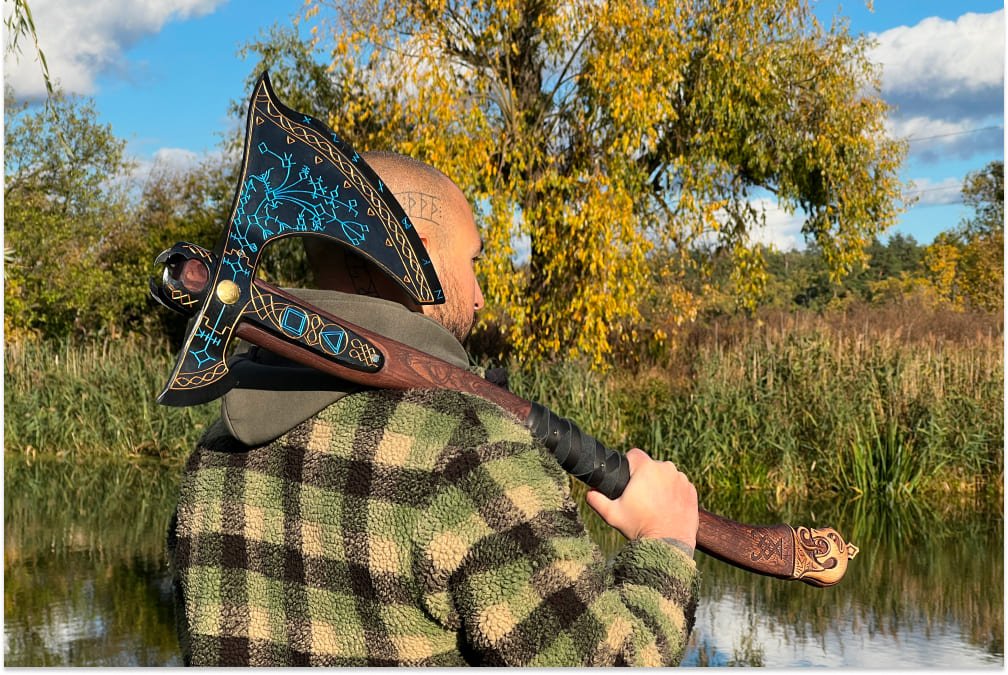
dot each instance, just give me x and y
(410, 528)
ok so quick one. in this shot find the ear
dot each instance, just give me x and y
(430, 239)
(427, 243)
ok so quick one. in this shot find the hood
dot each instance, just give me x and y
(274, 395)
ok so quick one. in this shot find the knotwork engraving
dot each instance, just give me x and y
(363, 351)
(768, 547)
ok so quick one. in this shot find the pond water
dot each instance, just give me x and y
(86, 582)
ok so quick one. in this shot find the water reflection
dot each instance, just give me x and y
(82, 611)
(86, 581)
(85, 577)
(729, 631)
(925, 590)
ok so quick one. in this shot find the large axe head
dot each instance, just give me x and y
(298, 178)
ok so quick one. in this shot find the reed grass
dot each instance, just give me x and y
(95, 399)
(793, 405)
(105, 508)
(806, 405)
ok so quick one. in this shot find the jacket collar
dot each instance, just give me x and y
(274, 395)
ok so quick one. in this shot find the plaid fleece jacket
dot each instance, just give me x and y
(410, 528)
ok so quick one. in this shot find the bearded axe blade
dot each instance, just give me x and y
(298, 178)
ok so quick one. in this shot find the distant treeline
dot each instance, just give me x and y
(962, 268)
(963, 271)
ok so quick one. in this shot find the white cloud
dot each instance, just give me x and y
(176, 158)
(169, 162)
(931, 192)
(782, 229)
(933, 139)
(180, 160)
(940, 59)
(946, 78)
(84, 38)
(930, 128)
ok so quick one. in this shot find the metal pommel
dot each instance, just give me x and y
(821, 556)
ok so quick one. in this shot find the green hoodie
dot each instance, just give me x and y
(274, 395)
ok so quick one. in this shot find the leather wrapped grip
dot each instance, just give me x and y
(579, 454)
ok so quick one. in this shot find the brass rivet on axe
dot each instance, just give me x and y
(228, 292)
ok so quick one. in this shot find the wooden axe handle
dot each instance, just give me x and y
(816, 556)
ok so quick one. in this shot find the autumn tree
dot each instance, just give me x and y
(983, 191)
(596, 137)
(80, 231)
(60, 197)
(966, 264)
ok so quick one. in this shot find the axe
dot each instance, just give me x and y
(298, 178)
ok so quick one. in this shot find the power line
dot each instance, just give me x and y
(939, 188)
(934, 205)
(914, 139)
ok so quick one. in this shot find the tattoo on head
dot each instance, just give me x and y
(421, 206)
(418, 206)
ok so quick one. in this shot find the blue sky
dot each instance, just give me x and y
(164, 74)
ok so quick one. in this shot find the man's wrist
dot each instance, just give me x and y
(681, 545)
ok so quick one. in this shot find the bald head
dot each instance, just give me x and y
(401, 171)
(426, 194)
(444, 221)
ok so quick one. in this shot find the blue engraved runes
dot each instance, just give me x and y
(334, 339)
(294, 321)
(300, 178)
(203, 356)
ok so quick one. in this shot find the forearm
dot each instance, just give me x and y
(531, 589)
(561, 604)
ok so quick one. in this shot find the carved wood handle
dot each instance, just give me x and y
(815, 556)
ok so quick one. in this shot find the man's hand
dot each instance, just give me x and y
(659, 502)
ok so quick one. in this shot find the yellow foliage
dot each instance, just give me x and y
(941, 260)
(968, 273)
(904, 287)
(981, 271)
(591, 136)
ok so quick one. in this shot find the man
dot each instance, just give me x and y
(322, 523)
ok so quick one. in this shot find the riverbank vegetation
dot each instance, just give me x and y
(903, 402)
(95, 399)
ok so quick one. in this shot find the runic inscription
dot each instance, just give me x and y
(767, 547)
(421, 206)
